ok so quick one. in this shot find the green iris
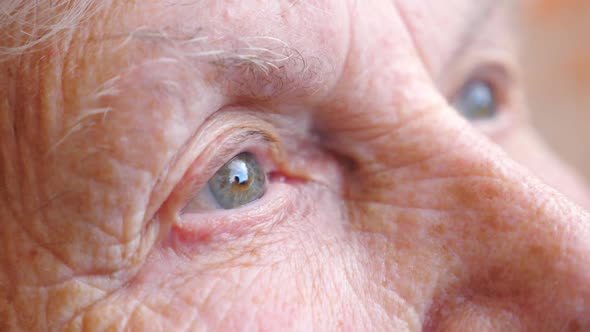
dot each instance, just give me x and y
(239, 182)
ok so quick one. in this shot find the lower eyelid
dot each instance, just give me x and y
(499, 127)
(215, 227)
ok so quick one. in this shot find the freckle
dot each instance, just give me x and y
(497, 223)
(33, 253)
(536, 251)
(496, 273)
(438, 230)
(574, 325)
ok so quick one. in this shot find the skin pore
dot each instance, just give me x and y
(385, 210)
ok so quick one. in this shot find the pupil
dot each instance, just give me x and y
(481, 96)
(239, 172)
(240, 182)
(477, 101)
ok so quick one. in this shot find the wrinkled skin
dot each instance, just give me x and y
(386, 210)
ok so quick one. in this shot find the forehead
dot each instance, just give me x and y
(432, 22)
(295, 35)
(438, 28)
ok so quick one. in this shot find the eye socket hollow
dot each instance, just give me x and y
(478, 100)
(240, 181)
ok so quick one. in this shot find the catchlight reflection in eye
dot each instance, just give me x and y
(477, 101)
(239, 182)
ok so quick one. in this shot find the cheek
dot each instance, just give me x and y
(298, 273)
(526, 147)
(479, 315)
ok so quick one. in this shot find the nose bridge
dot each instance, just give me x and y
(525, 246)
(449, 201)
(441, 188)
(460, 219)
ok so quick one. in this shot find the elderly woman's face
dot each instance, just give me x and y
(283, 165)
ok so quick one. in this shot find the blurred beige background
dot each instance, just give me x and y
(556, 58)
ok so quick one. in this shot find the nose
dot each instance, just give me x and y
(467, 237)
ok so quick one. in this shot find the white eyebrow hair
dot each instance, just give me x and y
(26, 24)
(260, 66)
(253, 67)
(262, 53)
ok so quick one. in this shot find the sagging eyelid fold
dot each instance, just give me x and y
(219, 140)
(250, 140)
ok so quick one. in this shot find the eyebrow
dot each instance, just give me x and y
(469, 35)
(257, 67)
(264, 67)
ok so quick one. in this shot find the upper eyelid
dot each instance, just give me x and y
(234, 141)
(234, 144)
(495, 65)
(218, 153)
(494, 74)
(257, 134)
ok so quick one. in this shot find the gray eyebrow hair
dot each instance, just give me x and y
(263, 52)
(26, 25)
(251, 67)
(249, 64)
